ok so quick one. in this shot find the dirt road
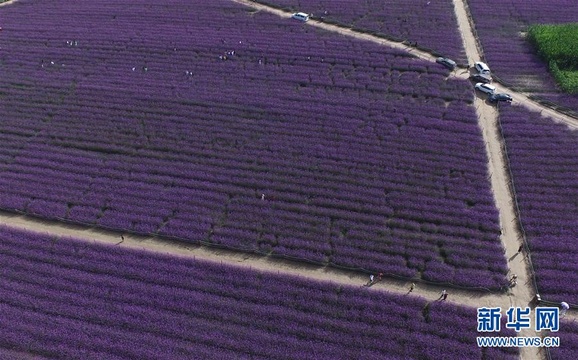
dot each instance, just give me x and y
(522, 294)
(7, 2)
(468, 39)
(236, 258)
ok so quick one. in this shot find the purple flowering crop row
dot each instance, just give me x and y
(502, 27)
(364, 156)
(568, 335)
(64, 299)
(544, 163)
(429, 24)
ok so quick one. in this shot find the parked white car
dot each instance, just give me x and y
(482, 68)
(300, 16)
(485, 88)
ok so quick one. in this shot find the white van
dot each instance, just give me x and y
(300, 16)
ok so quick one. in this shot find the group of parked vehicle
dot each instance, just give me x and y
(483, 79)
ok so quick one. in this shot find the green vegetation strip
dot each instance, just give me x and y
(557, 44)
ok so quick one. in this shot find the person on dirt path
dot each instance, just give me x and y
(370, 282)
(443, 295)
(513, 280)
(411, 288)
(564, 305)
(379, 277)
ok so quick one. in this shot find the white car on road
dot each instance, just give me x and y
(300, 16)
(485, 88)
(482, 68)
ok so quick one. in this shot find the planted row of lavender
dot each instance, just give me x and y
(544, 163)
(568, 335)
(345, 153)
(65, 299)
(502, 28)
(428, 24)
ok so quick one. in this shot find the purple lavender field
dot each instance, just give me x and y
(432, 24)
(65, 299)
(501, 26)
(159, 119)
(568, 335)
(544, 162)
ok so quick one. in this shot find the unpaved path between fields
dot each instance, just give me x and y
(469, 42)
(246, 260)
(8, 2)
(522, 294)
(524, 99)
(340, 30)
(242, 259)
(473, 55)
